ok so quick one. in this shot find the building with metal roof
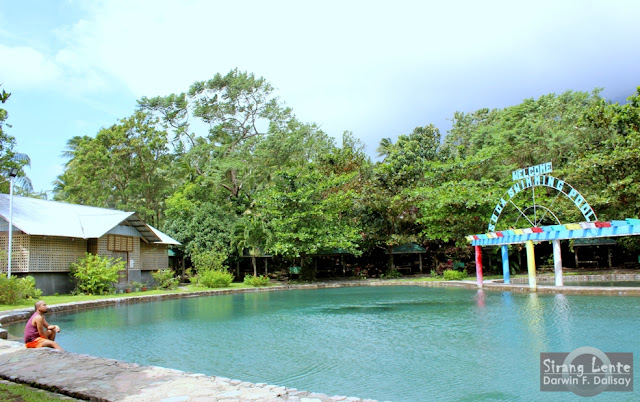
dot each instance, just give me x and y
(49, 236)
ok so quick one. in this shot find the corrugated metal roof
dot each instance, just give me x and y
(164, 238)
(409, 248)
(51, 218)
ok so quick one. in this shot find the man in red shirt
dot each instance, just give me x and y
(38, 333)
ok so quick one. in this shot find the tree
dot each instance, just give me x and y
(388, 208)
(405, 162)
(9, 158)
(126, 166)
(237, 108)
(454, 200)
(609, 166)
(248, 137)
(251, 234)
(307, 212)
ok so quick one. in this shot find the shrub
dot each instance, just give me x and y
(211, 272)
(164, 279)
(452, 275)
(15, 289)
(392, 273)
(256, 280)
(96, 274)
(27, 287)
(215, 278)
(208, 260)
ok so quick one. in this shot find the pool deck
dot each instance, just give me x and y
(99, 379)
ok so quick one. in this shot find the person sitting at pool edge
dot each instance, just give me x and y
(38, 333)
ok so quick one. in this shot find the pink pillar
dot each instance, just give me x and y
(479, 265)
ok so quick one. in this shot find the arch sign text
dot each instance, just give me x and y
(538, 176)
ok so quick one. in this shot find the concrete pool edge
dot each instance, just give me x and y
(95, 378)
(100, 379)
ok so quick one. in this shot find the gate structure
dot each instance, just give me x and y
(537, 216)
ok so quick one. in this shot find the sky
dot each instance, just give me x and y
(375, 68)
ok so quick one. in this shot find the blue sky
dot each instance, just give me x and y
(376, 68)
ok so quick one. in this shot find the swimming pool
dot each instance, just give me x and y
(385, 342)
(632, 284)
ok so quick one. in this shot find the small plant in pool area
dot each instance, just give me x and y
(211, 270)
(452, 275)
(215, 278)
(164, 279)
(392, 273)
(15, 289)
(96, 274)
(256, 280)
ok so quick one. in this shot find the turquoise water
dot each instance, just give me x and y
(603, 283)
(401, 343)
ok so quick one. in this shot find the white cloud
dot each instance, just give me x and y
(26, 68)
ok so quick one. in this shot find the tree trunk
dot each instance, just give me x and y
(255, 267)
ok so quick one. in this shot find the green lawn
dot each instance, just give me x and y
(10, 392)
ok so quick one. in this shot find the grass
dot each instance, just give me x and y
(10, 392)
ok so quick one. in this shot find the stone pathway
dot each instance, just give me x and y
(99, 379)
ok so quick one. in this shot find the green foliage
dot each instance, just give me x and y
(123, 167)
(308, 212)
(392, 273)
(14, 289)
(250, 178)
(10, 158)
(215, 278)
(96, 274)
(453, 275)
(211, 271)
(164, 279)
(208, 260)
(256, 280)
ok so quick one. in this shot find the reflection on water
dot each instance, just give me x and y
(388, 343)
(562, 319)
(534, 317)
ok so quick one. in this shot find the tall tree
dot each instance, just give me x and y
(307, 212)
(237, 109)
(10, 158)
(609, 165)
(126, 166)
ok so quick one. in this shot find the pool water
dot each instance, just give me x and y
(602, 283)
(400, 343)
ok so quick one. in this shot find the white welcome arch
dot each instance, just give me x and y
(525, 183)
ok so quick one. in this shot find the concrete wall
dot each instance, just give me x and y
(51, 282)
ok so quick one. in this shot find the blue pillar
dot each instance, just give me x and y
(505, 263)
